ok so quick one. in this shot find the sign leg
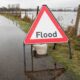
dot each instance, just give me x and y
(32, 57)
(24, 58)
(70, 53)
(54, 46)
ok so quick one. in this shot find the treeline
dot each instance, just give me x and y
(31, 9)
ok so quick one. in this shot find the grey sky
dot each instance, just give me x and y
(34, 3)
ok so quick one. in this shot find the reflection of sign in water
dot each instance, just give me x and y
(45, 29)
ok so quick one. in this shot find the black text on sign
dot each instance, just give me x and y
(46, 35)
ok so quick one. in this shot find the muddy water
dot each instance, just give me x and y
(65, 19)
(11, 56)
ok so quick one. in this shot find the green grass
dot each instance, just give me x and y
(24, 25)
(61, 55)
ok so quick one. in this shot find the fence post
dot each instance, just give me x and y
(77, 20)
(37, 10)
(70, 53)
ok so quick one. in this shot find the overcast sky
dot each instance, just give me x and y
(34, 3)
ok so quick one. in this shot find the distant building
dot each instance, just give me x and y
(14, 6)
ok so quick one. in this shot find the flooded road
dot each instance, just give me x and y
(11, 56)
(11, 51)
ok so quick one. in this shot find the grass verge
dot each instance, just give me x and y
(61, 55)
(24, 25)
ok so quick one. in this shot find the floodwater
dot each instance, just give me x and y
(65, 19)
(11, 56)
(11, 51)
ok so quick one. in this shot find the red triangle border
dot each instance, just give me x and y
(53, 19)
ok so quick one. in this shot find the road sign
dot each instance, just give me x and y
(45, 29)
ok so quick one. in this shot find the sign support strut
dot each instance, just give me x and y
(70, 53)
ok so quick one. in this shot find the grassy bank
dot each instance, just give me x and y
(61, 54)
(24, 24)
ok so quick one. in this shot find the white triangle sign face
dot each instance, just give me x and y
(45, 29)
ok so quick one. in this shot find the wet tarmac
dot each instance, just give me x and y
(11, 54)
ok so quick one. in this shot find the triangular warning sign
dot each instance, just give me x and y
(45, 29)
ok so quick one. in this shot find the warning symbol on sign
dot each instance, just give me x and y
(45, 29)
